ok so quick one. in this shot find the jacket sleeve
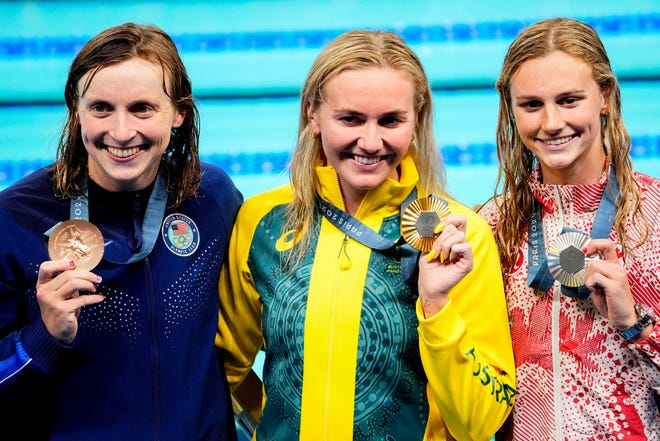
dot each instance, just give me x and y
(644, 280)
(466, 348)
(239, 337)
(649, 349)
(28, 353)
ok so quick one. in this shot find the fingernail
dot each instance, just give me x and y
(442, 257)
(584, 250)
(430, 256)
(439, 228)
(72, 263)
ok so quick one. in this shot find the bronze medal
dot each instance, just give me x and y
(77, 240)
(419, 220)
(566, 261)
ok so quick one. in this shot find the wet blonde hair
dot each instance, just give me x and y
(516, 202)
(112, 46)
(353, 50)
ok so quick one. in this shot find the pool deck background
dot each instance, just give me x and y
(248, 59)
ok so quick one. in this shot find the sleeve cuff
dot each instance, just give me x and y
(41, 346)
(650, 346)
(444, 328)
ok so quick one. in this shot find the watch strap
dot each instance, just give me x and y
(644, 319)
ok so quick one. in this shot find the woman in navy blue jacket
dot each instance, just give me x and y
(123, 350)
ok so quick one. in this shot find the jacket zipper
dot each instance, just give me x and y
(556, 320)
(153, 314)
(556, 359)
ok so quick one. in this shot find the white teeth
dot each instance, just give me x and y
(123, 153)
(558, 140)
(366, 161)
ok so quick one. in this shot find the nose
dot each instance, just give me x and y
(552, 120)
(122, 129)
(370, 139)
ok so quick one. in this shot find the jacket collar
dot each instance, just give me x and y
(584, 198)
(383, 200)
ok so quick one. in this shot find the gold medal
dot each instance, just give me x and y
(419, 220)
(77, 240)
(566, 261)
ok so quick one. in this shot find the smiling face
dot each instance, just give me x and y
(557, 106)
(125, 120)
(366, 124)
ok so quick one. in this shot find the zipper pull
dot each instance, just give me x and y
(345, 262)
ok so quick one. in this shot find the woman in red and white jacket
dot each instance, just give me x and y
(579, 238)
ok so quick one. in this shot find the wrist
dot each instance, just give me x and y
(431, 306)
(641, 328)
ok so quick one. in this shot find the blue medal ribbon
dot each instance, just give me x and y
(153, 216)
(539, 276)
(368, 237)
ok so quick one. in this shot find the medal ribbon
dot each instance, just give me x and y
(368, 237)
(538, 275)
(153, 216)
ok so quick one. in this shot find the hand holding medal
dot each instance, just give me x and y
(72, 245)
(428, 225)
(607, 280)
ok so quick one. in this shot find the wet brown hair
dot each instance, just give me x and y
(516, 202)
(115, 45)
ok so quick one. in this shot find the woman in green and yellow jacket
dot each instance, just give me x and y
(364, 337)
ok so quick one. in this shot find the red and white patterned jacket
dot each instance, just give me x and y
(577, 378)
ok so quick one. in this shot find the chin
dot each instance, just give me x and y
(366, 186)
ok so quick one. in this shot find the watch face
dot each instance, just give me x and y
(645, 318)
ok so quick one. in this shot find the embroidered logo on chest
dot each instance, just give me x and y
(180, 234)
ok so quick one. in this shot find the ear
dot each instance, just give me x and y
(312, 118)
(607, 94)
(179, 117)
(605, 108)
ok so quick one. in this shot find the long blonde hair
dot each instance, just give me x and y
(516, 202)
(356, 50)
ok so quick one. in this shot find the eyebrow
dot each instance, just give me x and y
(563, 94)
(100, 99)
(355, 112)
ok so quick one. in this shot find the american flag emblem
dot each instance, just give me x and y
(179, 228)
(180, 234)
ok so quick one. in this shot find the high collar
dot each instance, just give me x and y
(382, 200)
(584, 197)
(118, 199)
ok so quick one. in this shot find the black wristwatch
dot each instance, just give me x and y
(644, 319)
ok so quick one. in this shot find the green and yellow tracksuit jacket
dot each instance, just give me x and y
(349, 354)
